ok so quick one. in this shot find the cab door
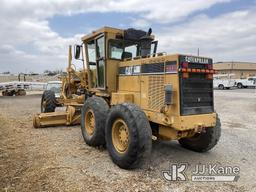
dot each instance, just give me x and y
(100, 62)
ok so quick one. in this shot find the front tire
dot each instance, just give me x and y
(93, 118)
(48, 102)
(128, 135)
(204, 141)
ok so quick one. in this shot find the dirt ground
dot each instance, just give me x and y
(57, 159)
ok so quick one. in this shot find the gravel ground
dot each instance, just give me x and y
(57, 159)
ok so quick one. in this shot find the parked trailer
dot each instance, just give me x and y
(18, 88)
(14, 88)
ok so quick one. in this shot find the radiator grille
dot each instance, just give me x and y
(156, 92)
(196, 96)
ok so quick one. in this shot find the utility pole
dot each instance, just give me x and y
(197, 51)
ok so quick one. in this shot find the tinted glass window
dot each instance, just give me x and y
(91, 49)
(100, 47)
(132, 49)
(100, 62)
(115, 50)
(91, 52)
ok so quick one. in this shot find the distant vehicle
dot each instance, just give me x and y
(54, 86)
(15, 88)
(223, 81)
(244, 83)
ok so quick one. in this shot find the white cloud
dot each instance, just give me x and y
(140, 23)
(228, 37)
(160, 11)
(29, 44)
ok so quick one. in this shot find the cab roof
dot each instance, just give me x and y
(100, 31)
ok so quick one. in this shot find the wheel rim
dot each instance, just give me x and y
(89, 122)
(120, 135)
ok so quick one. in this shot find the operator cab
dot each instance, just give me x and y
(133, 44)
(104, 49)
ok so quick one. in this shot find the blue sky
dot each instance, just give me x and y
(80, 22)
(236, 5)
(35, 37)
(71, 25)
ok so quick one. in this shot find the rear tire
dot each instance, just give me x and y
(128, 153)
(93, 118)
(48, 102)
(204, 141)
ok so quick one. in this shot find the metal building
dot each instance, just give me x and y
(240, 70)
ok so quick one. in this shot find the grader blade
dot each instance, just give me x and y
(69, 117)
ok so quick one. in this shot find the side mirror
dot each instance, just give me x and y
(77, 51)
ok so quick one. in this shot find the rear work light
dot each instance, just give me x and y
(208, 69)
(188, 70)
(184, 70)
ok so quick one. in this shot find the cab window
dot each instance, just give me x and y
(91, 52)
(132, 49)
(100, 62)
(115, 49)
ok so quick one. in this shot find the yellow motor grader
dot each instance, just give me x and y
(127, 93)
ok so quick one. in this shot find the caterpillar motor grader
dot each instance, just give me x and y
(128, 94)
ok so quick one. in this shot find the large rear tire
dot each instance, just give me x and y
(204, 141)
(48, 102)
(93, 118)
(128, 135)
